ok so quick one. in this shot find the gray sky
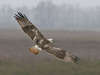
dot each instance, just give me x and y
(30, 3)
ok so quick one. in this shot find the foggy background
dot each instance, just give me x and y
(73, 24)
(53, 14)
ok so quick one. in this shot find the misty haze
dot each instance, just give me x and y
(48, 15)
(73, 24)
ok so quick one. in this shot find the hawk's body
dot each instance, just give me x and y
(40, 41)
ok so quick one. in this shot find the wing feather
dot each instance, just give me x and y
(30, 29)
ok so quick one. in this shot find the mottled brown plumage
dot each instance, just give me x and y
(41, 41)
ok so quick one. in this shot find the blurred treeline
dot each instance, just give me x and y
(48, 15)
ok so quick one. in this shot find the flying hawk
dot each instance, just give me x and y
(42, 43)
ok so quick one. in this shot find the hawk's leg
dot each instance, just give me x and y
(35, 49)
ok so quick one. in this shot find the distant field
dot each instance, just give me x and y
(49, 68)
(15, 59)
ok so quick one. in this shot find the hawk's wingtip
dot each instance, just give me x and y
(19, 15)
(71, 58)
(16, 16)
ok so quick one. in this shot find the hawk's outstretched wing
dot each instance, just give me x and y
(41, 41)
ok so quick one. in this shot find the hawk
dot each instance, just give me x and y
(41, 42)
